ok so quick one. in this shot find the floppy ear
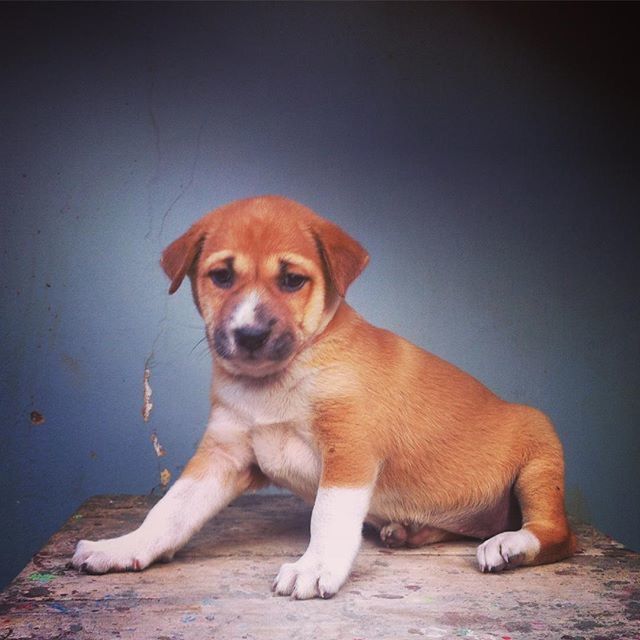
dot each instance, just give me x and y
(343, 258)
(180, 255)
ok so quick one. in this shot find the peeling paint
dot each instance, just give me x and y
(158, 448)
(165, 477)
(147, 405)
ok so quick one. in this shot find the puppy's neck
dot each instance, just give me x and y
(330, 313)
(222, 376)
(342, 317)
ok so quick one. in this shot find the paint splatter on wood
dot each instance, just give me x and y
(147, 405)
(42, 578)
(218, 586)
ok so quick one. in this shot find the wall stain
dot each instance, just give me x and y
(36, 418)
(73, 364)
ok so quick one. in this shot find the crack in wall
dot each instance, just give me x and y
(147, 405)
(156, 237)
(153, 180)
(185, 188)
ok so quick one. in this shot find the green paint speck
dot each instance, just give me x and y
(42, 578)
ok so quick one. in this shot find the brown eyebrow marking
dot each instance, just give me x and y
(229, 261)
(238, 260)
(291, 260)
(218, 256)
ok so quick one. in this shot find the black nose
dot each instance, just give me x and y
(251, 338)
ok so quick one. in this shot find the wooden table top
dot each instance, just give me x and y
(219, 587)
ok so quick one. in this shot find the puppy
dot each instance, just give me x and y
(366, 426)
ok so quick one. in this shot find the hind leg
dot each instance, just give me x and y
(393, 534)
(545, 535)
(396, 534)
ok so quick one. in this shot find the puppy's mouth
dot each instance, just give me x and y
(254, 350)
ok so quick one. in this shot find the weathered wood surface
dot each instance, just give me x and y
(218, 587)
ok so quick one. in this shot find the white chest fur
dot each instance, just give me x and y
(286, 454)
(274, 420)
(285, 400)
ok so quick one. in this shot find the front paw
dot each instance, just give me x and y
(117, 554)
(309, 578)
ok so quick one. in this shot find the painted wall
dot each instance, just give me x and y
(486, 155)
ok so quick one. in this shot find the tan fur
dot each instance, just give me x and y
(439, 446)
(309, 396)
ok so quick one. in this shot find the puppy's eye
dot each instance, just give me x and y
(292, 281)
(222, 277)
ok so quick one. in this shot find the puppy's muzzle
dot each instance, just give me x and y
(251, 338)
(254, 349)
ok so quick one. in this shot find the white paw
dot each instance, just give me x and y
(308, 578)
(507, 550)
(117, 554)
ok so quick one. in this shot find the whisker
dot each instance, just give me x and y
(197, 344)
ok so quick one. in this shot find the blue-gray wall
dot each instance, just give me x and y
(486, 155)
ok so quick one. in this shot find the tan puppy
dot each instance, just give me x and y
(309, 396)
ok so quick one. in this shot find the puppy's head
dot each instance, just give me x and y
(266, 275)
